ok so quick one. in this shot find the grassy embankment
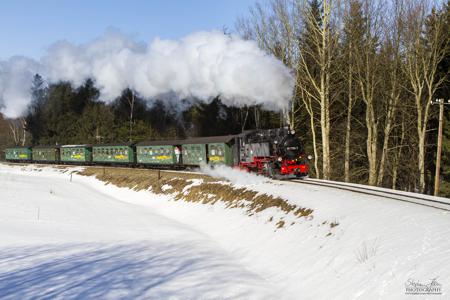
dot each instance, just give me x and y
(200, 188)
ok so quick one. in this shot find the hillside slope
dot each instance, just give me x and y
(84, 238)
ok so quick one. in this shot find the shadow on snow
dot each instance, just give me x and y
(142, 270)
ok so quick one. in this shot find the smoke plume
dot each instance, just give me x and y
(202, 65)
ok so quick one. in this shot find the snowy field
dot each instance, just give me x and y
(69, 238)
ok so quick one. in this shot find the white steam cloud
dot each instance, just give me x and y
(233, 175)
(15, 84)
(202, 65)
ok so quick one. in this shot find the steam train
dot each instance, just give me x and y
(276, 153)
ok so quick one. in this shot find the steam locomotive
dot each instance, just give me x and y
(276, 153)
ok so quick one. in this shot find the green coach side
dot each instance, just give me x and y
(220, 154)
(194, 154)
(113, 153)
(18, 154)
(156, 153)
(76, 153)
(214, 150)
(46, 153)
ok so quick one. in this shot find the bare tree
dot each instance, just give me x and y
(425, 46)
(308, 104)
(18, 131)
(353, 31)
(392, 66)
(319, 54)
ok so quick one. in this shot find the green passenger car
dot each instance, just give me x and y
(76, 153)
(212, 150)
(118, 153)
(154, 154)
(220, 154)
(18, 153)
(194, 154)
(46, 153)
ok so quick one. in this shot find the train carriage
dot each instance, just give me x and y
(156, 153)
(220, 152)
(113, 153)
(214, 150)
(194, 154)
(46, 154)
(18, 154)
(76, 154)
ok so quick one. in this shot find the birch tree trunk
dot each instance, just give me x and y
(392, 64)
(386, 136)
(14, 133)
(393, 100)
(425, 45)
(372, 139)
(368, 78)
(23, 124)
(368, 84)
(348, 126)
(397, 156)
(317, 86)
(308, 105)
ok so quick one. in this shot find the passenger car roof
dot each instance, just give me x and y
(194, 140)
(76, 146)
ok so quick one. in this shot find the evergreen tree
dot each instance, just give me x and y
(34, 119)
(60, 120)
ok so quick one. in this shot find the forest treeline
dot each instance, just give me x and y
(366, 72)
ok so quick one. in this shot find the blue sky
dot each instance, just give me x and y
(28, 27)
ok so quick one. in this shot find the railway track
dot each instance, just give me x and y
(434, 202)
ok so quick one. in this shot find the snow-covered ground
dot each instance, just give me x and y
(62, 238)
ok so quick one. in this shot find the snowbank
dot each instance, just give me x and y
(355, 246)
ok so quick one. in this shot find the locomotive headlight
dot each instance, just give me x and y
(280, 158)
(292, 131)
(309, 157)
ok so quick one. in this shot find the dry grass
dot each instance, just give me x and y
(280, 224)
(334, 224)
(207, 190)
